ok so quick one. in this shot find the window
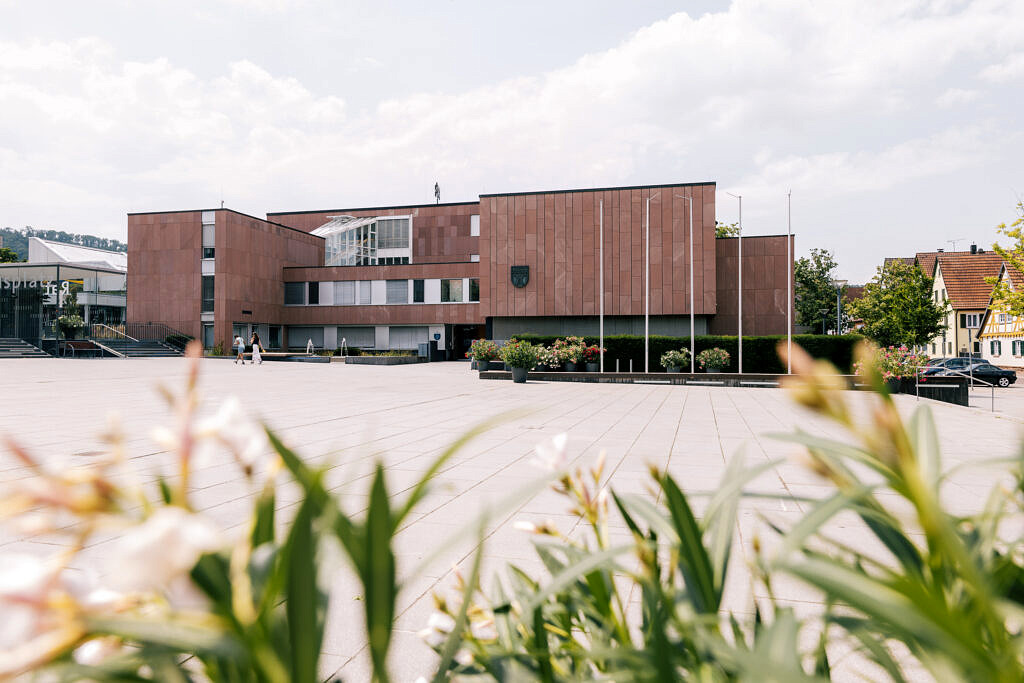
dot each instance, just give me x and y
(275, 337)
(207, 336)
(417, 291)
(294, 293)
(970, 320)
(207, 294)
(451, 291)
(393, 233)
(397, 291)
(977, 347)
(474, 289)
(209, 239)
(365, 292)
(944, 297)
(933, 349)
(995, 347)
(1017, 347)
(345, 293)
(474, 226)
(314, 293)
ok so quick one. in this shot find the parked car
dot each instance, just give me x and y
(936, 366)
(984, 371)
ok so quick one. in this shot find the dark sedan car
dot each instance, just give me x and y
(983, 371)
(936, 366)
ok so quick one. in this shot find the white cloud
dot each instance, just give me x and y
(956, 96)
(1010, 69)
(767, 95)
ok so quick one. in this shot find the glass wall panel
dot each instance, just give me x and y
(365, 293)
(474, 289)
(451, 291)
(397, 292)
(417, 291)
(344, 293)
(294, 293)
(314, 293)
(207, 294)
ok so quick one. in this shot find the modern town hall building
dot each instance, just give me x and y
(391, 277)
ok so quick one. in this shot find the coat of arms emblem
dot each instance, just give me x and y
(520, 275)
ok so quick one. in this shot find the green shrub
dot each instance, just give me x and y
(519, 354)
(759, 355)
(675, 359)
(713, 358)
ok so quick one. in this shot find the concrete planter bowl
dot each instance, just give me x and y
(711, 370)
(593, 367)
(519, 375)
(673, 368)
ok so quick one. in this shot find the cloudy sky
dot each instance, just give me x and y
(896, 123)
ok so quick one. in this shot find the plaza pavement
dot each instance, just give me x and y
(406, 415)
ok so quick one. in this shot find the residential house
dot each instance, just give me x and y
(1001, 333)
(959, 278)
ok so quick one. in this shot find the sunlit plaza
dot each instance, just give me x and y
(349, 416)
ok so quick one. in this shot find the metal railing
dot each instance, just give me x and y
(104, 331)
(946, 372)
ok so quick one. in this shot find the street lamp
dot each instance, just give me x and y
(739, 285)
(839, 284)
(693, 332)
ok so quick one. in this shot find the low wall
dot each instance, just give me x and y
(384, 360)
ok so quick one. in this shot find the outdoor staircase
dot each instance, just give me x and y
(141, 349)
(16, 348)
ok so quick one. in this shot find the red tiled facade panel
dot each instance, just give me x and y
(764, 285)
(557, 235)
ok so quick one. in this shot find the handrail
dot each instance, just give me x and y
(106, 348)
(946, 372)
(115, 331)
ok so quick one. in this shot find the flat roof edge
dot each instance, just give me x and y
(597, 189)
(239, 213)
(370, 208)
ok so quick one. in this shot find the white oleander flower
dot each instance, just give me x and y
(97, 650)
(439, 625)
(231, 427)
(551, 454)
(165, 546)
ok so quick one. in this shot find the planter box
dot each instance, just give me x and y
(519, 375)
(384, 360)
(593, 367)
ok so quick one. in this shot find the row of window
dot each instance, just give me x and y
(970, 320)
(360, 292)
(1016, 347)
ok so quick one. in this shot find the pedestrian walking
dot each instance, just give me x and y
(257, 349)
(239, 349)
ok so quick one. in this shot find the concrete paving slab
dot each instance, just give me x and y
(348, 415)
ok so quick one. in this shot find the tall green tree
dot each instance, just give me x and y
(813, 292)
(726, 229)
(897, 307)
(1003, 296)
(8, 255)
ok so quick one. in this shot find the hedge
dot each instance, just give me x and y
(759, 354)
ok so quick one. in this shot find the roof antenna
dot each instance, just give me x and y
(953, 242)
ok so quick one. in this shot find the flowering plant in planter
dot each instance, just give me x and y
(547, 356)
(519, 354)
(592, 354)
(713, 358)
(893, 362)
(675, 359)
(483, 349)
(570, 349)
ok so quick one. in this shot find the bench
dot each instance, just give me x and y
(81, 348)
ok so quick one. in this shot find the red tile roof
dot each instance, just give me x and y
(964, 274)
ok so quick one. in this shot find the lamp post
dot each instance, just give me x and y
(647, 287)
(600, 251)
(839, 284)
(693, 332)
(739, 286)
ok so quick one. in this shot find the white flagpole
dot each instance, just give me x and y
(789, 282)
(600, 252)
(647, 292)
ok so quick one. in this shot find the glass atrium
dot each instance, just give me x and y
(369, 241)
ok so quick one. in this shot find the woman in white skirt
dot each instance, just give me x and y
(257, 349)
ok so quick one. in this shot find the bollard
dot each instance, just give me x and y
(631, 366)
(616, 366)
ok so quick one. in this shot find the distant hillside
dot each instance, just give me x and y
(17, 240)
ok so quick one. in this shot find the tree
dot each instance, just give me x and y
(8, 255)
(726, 229)
(813, 292)
(1003, 296)
(897, 307)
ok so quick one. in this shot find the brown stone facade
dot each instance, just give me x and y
(764, 285)
(440, 231)
(555, 234)
(165, 269)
